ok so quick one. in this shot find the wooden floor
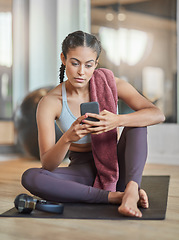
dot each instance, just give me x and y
(22, 228)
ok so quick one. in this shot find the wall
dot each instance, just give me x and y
(20, 38)
(42, 43)
(163, 142)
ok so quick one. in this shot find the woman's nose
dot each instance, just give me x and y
(81, 70)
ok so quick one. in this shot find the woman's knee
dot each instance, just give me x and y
(136, 130)
(133, 138)
(27, 179)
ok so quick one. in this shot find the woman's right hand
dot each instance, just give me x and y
(77, 130)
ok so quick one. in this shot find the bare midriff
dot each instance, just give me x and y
(86, 147)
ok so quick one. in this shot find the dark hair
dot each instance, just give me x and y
(77, 39)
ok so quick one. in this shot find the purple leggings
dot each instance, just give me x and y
(74, 183)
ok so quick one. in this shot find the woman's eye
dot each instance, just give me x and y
(75, 64)
(88, 65)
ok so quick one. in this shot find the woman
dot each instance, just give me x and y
(76, 183)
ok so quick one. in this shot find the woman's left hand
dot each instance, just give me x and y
(107, 121)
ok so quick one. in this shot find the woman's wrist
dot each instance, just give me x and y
(66, 139)
(120, 120)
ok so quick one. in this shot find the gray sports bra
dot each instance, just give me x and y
(66, 118)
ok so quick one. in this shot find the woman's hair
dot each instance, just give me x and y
(78, 39)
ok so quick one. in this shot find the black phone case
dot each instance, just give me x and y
(90, 107)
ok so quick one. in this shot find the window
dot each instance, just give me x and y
(139, 45)
(5, 65)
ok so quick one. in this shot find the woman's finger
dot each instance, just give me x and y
(94, 115)
(80, 119)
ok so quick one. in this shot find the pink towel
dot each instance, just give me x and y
(104, 146)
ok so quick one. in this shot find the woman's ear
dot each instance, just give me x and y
(63, 59)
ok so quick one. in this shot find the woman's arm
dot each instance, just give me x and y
(51, 153)
(145, 113)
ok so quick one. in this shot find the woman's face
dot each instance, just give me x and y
(80, 65)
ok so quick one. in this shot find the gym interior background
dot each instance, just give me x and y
(140, 45)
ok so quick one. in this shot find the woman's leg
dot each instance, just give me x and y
(66, 184)
(132, 154)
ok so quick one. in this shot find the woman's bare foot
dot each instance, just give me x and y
(143, 199)
(115, 197)
(130, 200)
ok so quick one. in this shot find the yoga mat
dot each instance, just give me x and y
(155, 186)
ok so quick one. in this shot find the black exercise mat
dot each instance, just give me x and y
(155, 186)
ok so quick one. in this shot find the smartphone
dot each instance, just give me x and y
(90, 107)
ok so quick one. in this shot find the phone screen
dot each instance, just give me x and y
(90, 107)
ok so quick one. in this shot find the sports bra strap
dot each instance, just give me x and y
(64, 94)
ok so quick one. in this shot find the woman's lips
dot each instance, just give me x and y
(79, 79)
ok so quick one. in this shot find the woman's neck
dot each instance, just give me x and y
(77, 92)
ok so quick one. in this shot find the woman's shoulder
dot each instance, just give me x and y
(120, 83)
(104, 71)
(54, 94)
(52, 100)
(108, 71)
